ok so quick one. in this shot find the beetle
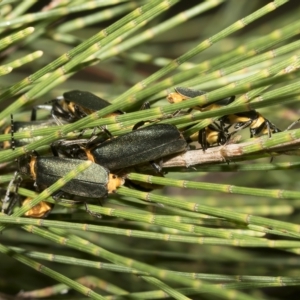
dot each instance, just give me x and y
(94, 182)
(11, 198)
(31, 125)
(71, 107)
(210, 135)
(183, 93)
(139, 146)
(257, 124)
(16, 127)
(75, 104)
(213, 133)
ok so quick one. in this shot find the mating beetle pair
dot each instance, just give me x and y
(74, 105)
(69, 108)
(213, 133)
(218, 134)
(137, 147)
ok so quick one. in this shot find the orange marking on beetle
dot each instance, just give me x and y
(89, 155)
(114, 182)
(38, 210)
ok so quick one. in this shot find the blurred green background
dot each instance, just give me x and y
(256, 258)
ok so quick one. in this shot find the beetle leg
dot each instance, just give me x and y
(138, 125)
(11, 196)
(57, 195)
(157, 168)
(12, 131)
(146, 105)
(90, 212)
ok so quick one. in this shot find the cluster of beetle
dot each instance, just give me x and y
(112, 154)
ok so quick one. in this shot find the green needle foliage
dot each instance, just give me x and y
(225, 222)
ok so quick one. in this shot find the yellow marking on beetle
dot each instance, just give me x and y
(237, 119)
(71, 106)
(258, 122)
(176, 98)
(212, 136)
(209, 107)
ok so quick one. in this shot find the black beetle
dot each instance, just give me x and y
(74, 105)
(95, 182)
(213, 133)
(183, 93)
(24, 126)
(210, 135)
(257, 124)
(136, 147)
